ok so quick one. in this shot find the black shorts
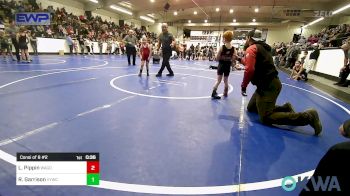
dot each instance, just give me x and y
(224, 69)
(23, 46)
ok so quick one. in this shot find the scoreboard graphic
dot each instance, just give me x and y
(57, 169)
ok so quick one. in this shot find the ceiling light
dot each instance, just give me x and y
(195, 12)
(256, 10)
(147, 19)
(341, 9)
(126, 4)
(151, 15)
(217, 9)
(254, 20)
(313, 22)
(231, 11)
(125, 11)
(333, 13)
(189, 21)
(175, 13)
(205, 21)
(234, 20)
(94, 1)
(152, 1)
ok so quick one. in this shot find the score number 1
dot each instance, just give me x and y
(93, 173)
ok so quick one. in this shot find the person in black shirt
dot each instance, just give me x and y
(81, 43)
(345, 70)
(225, 57)
(167, 41)
(261, 72)
(192, 53)
(335, 162)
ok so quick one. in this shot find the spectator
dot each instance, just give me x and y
(75, 46)
(303, 57)
(23, 41)
(344, 71)
(81, 44)
(302, 40)
(117, 47)
(335, 162)
(87, 45)
(312, 59)
(346, 50)
(4, 45)
(33, 42)
(100, 45)
(131, 42)
(12, 31)
(298, 72)
(292, 55)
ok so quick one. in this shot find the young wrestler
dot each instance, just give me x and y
(145, 54)
(225, 57)
(297, 72)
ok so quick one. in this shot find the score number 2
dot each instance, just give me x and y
(93, 167)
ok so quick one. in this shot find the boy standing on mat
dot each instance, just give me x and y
(145, 54)
(261, 72)
(225, 56)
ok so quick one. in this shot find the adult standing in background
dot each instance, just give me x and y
(33, 41)
(313, 58)
(167, 41)
(70, 43)
(23, 41)
(12, 31)
(310, 64)
(116, 47)
(345, 70)
(130, 44)
(100, 45)
(82, 45)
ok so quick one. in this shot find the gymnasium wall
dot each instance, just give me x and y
(285, 33)
(105, 15)
(336, 20)
(136, 23)
(275, 34)
(345, 20)
(53, 46)
(78, 8)
(70, 6)
(329, 62)
(177, 31)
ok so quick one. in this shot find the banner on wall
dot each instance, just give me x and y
(33, 18)
(204, 36)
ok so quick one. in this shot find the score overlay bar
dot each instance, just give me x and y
(57, 169)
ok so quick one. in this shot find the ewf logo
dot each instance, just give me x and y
(31, 18)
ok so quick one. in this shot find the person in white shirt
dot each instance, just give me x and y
(117, 47)
(87, 45)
